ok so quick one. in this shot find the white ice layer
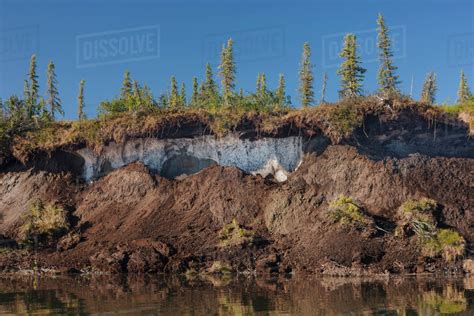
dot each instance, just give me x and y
(276, 156)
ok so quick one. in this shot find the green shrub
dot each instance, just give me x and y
(418, 216)
(345, 119)
(233, 234)
(345, 211)
(44, 222)
(455, 109)
(447, 243)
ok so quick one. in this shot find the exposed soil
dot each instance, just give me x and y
(134, 221)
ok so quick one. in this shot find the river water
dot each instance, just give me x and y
(212, 295)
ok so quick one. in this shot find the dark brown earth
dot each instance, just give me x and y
(134, 221)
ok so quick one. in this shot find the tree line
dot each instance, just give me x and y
(207, 94)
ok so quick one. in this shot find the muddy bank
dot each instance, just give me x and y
(218, 218)
(134, 221)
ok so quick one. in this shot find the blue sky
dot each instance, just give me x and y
(165, 38)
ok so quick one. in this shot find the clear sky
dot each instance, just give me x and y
(97, 40)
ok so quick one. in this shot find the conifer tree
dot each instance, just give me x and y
(164, 101)
(428, 92)
(227, 71)
(263, 85)
(195, 95)
(53, 100)
(258, 88)
(202, 90)
(80, 102)
(463, 92)
(280, 91)
(27, 98)
(126, 90)
(174, 96)
(387, 79)
(182, 95)
(210, 88)
(306, 77)
(33, 77)
(31, 90)
(136, 96)
(323, 90)
(352, 74)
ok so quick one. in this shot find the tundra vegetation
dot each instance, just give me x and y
(30, 121)
(419, 217)
(44, 223)
(232, 234)
(344, 210)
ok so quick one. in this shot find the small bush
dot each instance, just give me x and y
(447, 243)
(44, 222)
(418, 216)
(233, 234)
(345, 211)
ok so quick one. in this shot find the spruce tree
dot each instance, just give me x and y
(280, 91)
(429, 89)
(137, 97)
(323, 90)
(306, 77)
(126, 90)
(53, 100)
(164, 101)
(263, 85)
(31, 90)
(202, 90)
(258, 88)
(182, 95)
(174, 96)
(463, 93)
(387, 79)
(210, 88)
(80, 102)
(33, 77)
(195, 95)
(227, 71)
(27, 99)
(352, 74)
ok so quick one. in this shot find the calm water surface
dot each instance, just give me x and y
(209, 295)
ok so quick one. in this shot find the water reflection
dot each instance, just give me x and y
(211, 295)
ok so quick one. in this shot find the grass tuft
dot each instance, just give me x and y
(418, 216)
(345, 211)
(233, 234)
(447, 243)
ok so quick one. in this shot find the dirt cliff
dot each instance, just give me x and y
(133, 219)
